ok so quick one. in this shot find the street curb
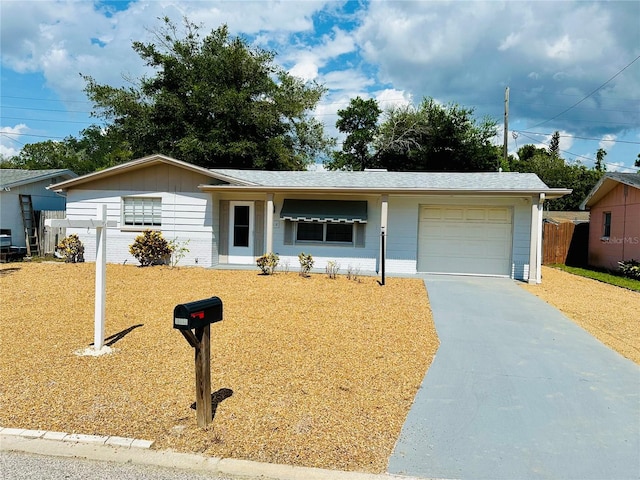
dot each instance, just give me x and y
(129, 450)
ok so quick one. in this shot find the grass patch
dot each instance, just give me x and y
(605, 277)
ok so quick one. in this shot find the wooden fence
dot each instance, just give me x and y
(50, 236)
(565, 243)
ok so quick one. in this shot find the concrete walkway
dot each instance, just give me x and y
(518, 391)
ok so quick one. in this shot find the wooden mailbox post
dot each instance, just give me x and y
(194, 321)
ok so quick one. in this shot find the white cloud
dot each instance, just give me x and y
(608, 141)
(10, 143)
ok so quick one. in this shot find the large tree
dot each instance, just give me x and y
(215, 102)
(95, 149)
(359, 121)
(556, 173)
(435, 137)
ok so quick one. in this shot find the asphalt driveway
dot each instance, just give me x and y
(518, 391)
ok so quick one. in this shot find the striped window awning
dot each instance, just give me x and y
(345, 211)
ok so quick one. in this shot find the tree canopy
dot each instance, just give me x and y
(215, 102)
(360, 122)
(556, 173)
(429, 137)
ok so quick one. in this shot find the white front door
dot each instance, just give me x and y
(241, 232)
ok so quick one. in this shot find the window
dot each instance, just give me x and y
(324, 232)
(141, 212)
(606, 225)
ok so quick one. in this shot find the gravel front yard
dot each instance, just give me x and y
(609, 313)
(309, 371)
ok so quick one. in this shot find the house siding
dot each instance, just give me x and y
(185, 216)
(41, 198)
(623, 242)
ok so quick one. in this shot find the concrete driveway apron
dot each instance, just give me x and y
(518, 391)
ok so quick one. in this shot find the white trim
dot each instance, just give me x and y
(241, 255)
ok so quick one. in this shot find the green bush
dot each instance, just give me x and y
(150, 248)
(72, 249)
(630, 268)
(306, 263)
(268, 263)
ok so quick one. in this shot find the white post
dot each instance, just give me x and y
(269, 248)
(101, 277)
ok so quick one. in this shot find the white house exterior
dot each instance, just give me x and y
(458, 223)
(15, 182)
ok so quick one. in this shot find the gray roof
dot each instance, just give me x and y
(387, 180)
(632, 179)
(12, 177)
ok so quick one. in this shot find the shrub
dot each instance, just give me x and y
(72, 249)
(630, 268)
(268, 263)
(306, 263)
(150, 248)
(353, 273)
(332, 268)
(178, 250)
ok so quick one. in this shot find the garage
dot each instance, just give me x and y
(465, 240)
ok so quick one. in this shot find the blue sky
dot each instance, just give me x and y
(571, 66)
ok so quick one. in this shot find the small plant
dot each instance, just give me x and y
(178, 250)
(268, 263)
(353, 273)
(306, 264)
(630, 269)
(72, 249)
(332, 269)
(286, 265)
(150, 248)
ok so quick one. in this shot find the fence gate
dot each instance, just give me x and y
(565, 243)
(50, 236)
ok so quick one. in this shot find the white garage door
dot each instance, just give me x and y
(467, 240)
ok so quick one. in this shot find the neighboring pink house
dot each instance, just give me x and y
(614, 220)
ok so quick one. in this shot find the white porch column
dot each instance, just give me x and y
(384, 210)
(269, 248)
(535, 244)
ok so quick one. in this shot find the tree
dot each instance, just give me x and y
(554, 145)
(433, 137)
(215, 102)
(360, 122)
(556, 173)
(94, 150)
(600, 165)
(638, 161)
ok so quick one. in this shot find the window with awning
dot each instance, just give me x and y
(336, 211)
(324, 221)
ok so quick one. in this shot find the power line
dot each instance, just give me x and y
(577, 137)
(588, 95)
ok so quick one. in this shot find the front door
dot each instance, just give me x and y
(241, 232)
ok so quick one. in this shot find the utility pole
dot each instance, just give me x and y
(505, 148)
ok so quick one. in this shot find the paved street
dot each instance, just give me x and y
(27, 466)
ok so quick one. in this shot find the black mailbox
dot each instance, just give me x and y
(197, 314)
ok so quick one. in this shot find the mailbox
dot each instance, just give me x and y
(197, 314)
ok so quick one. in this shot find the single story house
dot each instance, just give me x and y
(460, 223)
(16, 182)
(614, 231)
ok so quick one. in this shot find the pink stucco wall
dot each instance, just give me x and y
(624, 241)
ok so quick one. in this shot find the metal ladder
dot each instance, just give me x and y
(30, 225)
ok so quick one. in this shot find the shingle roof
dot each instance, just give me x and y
(10, 177)
(632, 179)
(606, 184)
(383, 179)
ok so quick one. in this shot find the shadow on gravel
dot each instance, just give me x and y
(216, 399)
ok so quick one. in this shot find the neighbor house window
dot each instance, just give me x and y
(606, 227)
(141, 211)
(324, 232)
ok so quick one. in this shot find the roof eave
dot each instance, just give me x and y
(137, 164)
(551, 193)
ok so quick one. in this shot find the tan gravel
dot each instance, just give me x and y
(322, 372)
(609, 313)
